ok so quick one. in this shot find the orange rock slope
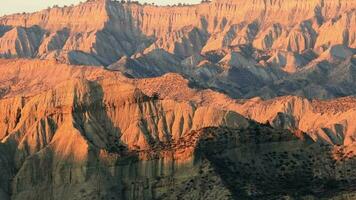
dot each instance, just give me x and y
(330, 121)
(261, 48)
(108, 29)
(67, 133)
(219, 100)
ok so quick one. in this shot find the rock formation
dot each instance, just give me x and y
(219, 100)
(91, 133)
(280, 40)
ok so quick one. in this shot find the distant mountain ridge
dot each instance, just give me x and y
(279, 47)
(229, 22)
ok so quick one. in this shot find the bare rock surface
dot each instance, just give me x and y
(284, 47)
(225, 99)
(91, 133)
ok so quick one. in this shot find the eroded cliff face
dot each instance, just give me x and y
(107, 30)
(80, 140)
(72, 130)
(329, 121)
(108, 140)
(326, 121)
(284, 47)
(334, 125)
(56, 137)
(92, 133)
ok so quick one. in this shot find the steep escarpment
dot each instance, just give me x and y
(219, 100)
(107, 139)
(75, 132)
(222, 21)
(231, 22)
(261, 48)
(70, 127)
(28, 77)
(334, 125)
(326, 121)
(20, 42)
(329, 121)
(89, 39)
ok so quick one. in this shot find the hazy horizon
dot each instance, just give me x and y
(18, 6)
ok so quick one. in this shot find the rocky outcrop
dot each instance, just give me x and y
(26, 78)
(107, 139)
(96, 133)
(153, 63)
(20, 42)
(262, 48)
(63, 128)
(182, 43)
(123, 29)
(150, 124)
(325, 121)
(328, 121)
(54, 41)
(341, 28)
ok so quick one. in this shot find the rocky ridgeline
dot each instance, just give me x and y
(119, 29)
(264, 48)
(150, 124)
(83, 136)
(332, 125)
(59, 137)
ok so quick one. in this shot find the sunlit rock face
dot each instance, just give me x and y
(60, 137)
(220, 100)
(96, 26)
(109, 140)
(91, 133)
(274, 45)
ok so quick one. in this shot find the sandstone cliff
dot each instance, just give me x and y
(111, 100)
(92, 133)
(293, 25)
(77, 122)
(284, 47)
(334, 125)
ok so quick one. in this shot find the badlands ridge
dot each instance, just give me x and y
(219, 100)
(264, 48)
(89, 133)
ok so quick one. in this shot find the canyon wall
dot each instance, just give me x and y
(107, 30)
(107, 139)
(228, 99)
